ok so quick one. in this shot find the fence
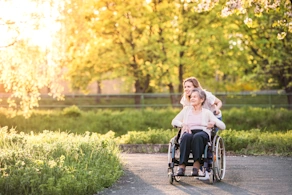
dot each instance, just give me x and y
(155, 100)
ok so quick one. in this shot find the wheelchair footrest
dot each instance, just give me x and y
(190, 175)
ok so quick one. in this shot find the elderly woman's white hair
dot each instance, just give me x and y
(201, 93)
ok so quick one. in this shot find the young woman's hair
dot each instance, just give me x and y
(201, 93)
(194, 81)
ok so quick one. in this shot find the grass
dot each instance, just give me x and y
(75, 120)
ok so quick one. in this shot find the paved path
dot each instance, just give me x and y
(146, 174)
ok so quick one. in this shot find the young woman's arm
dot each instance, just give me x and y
(217, 105)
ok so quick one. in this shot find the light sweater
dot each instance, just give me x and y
(207, 116)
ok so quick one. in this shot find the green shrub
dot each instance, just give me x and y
(258, 118)
(151, 136)
(258, 142)
(72, 111)
(57, 163)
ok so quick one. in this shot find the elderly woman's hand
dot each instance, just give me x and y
(210, 124)
(185, 128)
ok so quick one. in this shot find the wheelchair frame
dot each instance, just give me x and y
(213, 159)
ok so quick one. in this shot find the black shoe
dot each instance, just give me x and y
(195, 172)
(181, 172)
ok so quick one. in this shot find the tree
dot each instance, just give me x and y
(160, 44)
(216, 60)
(223, 41)
(202, 42)
(262, 7)
(128, 39)
(28, 63)
(271, 54)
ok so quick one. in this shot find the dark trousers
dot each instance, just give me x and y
(195, 142)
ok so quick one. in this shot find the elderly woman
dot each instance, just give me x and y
(194, 120)
(212, 102)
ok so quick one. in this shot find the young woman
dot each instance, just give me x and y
(194, 120)
(212, 102)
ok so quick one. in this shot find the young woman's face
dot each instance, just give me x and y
(188, 87)
(195, 99)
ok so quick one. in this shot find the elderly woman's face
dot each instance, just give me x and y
(195, 99)
(188, 87)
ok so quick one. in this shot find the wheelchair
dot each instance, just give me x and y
(213, 161)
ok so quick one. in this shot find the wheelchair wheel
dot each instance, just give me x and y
(211, 176)
(170, 178)
(169, 156)
(219, 158)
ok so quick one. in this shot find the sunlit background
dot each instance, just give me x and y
(74, 46)
(34, 21)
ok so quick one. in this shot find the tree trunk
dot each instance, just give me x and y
(288, 90)
(146, 83)
(98, 90)
(137, 97)
(174, 99)
(180, 78)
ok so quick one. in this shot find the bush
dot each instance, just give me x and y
(57, 163)
(257, 142)
(72, 111)
(151, 136)
(266, 119)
